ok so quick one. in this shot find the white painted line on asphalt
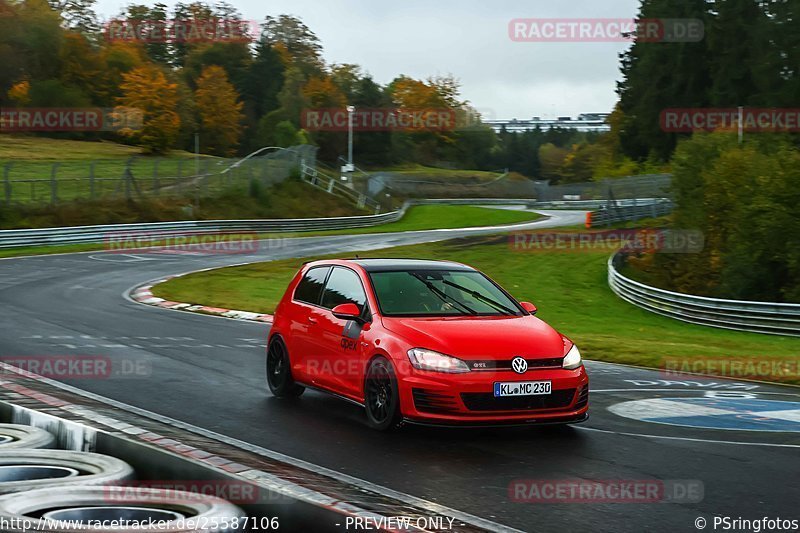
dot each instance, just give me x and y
(700, 389)
(686, 439)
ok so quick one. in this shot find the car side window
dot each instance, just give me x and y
(309, 290)
(344, 286)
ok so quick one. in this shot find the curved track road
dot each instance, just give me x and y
(208, 372)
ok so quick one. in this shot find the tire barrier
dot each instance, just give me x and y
(23, 470)
(57, 509)
(16, 436)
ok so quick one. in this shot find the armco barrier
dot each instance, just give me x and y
(758, 317)
(625, 210)
(98, 234)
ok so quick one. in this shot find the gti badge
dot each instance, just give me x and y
(519, 365)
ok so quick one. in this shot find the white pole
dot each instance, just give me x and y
(350, 110)
(741, 124)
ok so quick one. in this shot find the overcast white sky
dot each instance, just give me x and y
(466, 38)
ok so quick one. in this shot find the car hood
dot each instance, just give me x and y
(480, 337)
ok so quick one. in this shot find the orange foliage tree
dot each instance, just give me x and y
(148, 90)
(220, 111)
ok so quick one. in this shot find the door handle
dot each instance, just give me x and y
(312, 320)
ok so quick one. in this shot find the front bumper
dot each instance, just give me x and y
(468, 399)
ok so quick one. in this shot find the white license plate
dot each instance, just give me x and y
(523, 388)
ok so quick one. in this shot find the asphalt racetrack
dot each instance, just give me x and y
(738, 442)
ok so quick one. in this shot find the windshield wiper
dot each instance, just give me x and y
(443, 296)
(486, 299)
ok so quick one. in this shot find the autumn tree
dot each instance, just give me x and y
(551, 159)
(20, 93)
(147, 88)
(152, 21)
(83, 67)
(322, 93)
(295, 43)
(220, 111)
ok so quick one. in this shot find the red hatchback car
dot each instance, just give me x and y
(429, 342)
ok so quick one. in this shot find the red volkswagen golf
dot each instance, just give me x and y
(430, 342)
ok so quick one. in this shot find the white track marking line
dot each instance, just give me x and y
(687, 439)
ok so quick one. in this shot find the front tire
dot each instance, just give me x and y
(279, 371)
(381, 396)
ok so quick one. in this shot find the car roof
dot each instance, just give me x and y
(386, 265)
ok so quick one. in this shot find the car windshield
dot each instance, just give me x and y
(440, 293)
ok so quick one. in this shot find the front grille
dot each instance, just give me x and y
(505, 364)
(583, 397)
(428, 401)
(485, 401)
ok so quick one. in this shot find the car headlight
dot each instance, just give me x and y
(573, 359)
(423, 359)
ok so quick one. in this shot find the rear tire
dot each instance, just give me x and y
(381, 396)
(279, 371)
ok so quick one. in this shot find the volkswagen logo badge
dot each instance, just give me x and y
(519, 365)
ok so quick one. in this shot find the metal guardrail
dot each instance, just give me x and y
(757, 317)
(627, 210)
(102, 233)
(99, 234)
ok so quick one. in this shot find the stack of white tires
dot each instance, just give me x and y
(45, 489)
